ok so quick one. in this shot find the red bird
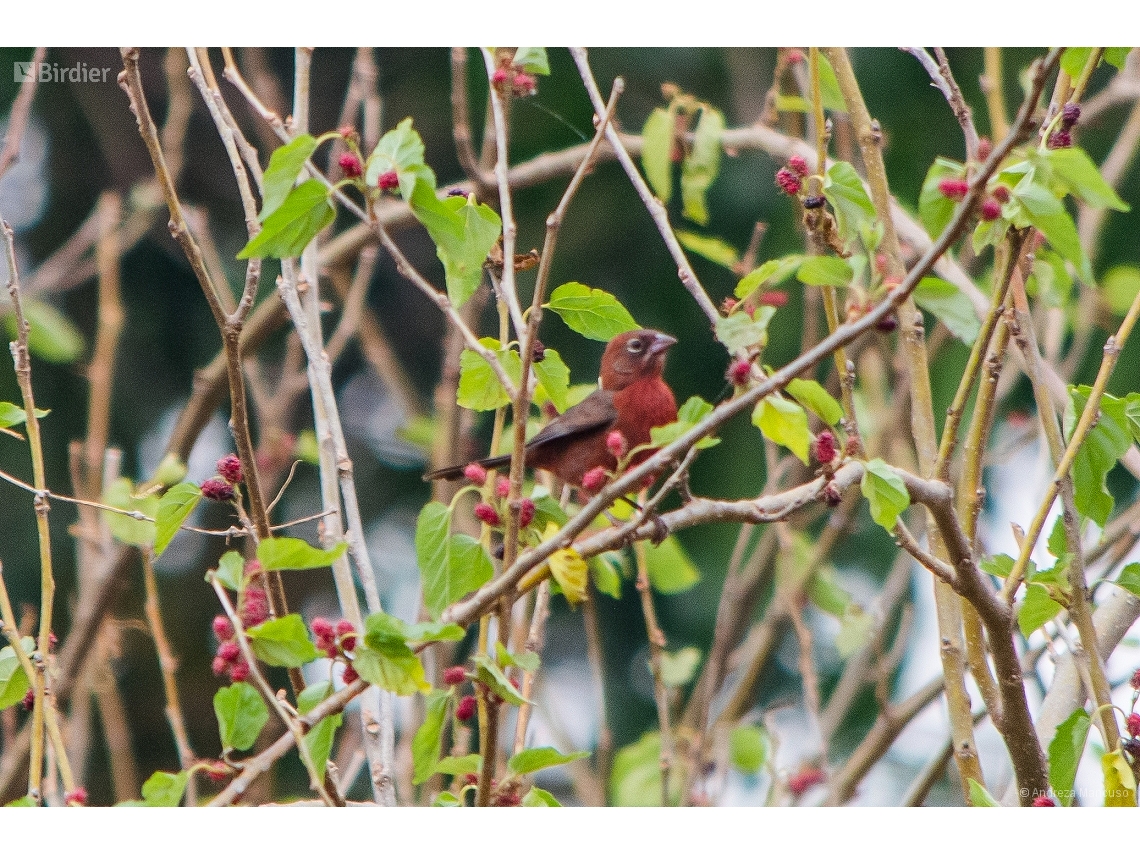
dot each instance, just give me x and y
(632, 399)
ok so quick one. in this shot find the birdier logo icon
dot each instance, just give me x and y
(23, 72)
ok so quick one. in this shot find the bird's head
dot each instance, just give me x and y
(632, 356)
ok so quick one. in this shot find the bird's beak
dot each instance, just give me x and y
(661, 343)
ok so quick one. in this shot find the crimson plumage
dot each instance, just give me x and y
(633, 398)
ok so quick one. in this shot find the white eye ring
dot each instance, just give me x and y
(634, 346)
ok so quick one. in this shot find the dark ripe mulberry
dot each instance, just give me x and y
(1070, 116)
(887, 323)
(29, 700)
(814, 202)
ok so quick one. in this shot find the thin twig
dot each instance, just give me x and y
(18, 115)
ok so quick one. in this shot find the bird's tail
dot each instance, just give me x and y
(451, 473)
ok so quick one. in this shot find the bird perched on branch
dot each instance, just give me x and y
(581, 442)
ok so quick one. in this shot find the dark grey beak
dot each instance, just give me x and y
(661, 343)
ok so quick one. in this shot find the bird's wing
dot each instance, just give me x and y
(594, 413)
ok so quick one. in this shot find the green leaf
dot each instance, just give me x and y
(164, 789)
(173, 509)
(738, 331)
(1115, 56)
(854, 209)
(450, 566)
(530, 760)
(590, 312)
(830, 93)
(1119, 781)
(391, 666)
(827, 594)
(479, 386)
(528, 660)
(886, 493)
(785, 423)
(241, 713)
(171, 469)
(771, 272)
(123, 528)
(14, 683)
(691, 413)
(23, 801)
(657, 151)
(433, 631)
(319, 740)
(949, 305)
(292, 553)
(1036, 609)
(1065, 750)
(12, 415)
(291, 227)
(446, 799)
(285, 165)
(464, 251)
(1073, 60)
(1129, 579)
(934, 209)
(670, 569)
(679, 668)
(998, 565)
(400, 150)
(51, 336)
(792, 104)
(491, 676)
(714, 249)
(1058, 542)
(1104, 445)
(553, 380)
(468, 764)
(427, 744)
(605, 570)
(1076, 170)
(748, 748)
(855, 628)
(980, 797)
(231, 570)
(825, 270)
(1119, 287)
(283, 641)
(536, 797)
(817, 399)
(532, 60)
(635, 777)
(699, 169)
(1045, 211)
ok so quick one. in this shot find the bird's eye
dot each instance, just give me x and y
(635, 346)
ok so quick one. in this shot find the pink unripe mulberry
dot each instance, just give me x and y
(824, 448)
(526, 512)
(1001, 193)
(388, 180)
(351, 165)
(229, 467)
(344, 627)
(615, 442)
(77, 797)
(239, 671)
(788, 181)
(594, 480)
(455, 675)
(1059, 139)
(475, 473)
(739, 372)
(466, 708)
(798, 165)
(255, 607)
(1133, 725)
(223, 629)
(217, 489)
(219, 666)
(795, 55)
(485, 513)
(990, 210)
(773, 298)
(500, 77)
(1044, 801)
(954, 188)
(502, 487)
(805, 779)
(228, 651)
(985, 148)
(322, 628)
(524, 84)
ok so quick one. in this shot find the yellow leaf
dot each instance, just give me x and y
(1119, 782)
(568, 568)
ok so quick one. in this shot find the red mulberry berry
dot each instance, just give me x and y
(344, 627)
(990, 210)
(500, 77)
(1133, 725)
(388, 180)
(1059, 139)
(485, 513)
(526, 512)
(1001, 193)
(728, 305)
(985, 149)
(1134, 682)
(798, 165)
(217, 489)
(29, 700)
(349, 675)
(594, 480)
(954, 188)
(229, 651)
(824, 447)
(466, 708)
(223, 629)
(502, 487)
(322, 628)
(739, 372)
(351, 165)
(229, 467)
(773, 298)
(1044, 801)
(805, 779)
(255, 607)
(615, 442)
(795, 55)
(77, 797)
(454, 676)
(524, 84)
(788, 181)
(219, 666)
(475, 473)
(239, 671)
